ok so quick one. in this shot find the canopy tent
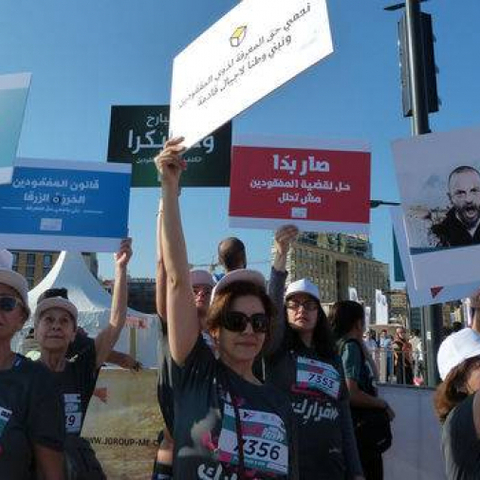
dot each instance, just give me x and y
(140, 335)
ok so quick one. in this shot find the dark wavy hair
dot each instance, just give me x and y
(222, 303)
(343, 317)
(322, 340)
(452, 392)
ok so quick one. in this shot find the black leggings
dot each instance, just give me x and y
(372, 465)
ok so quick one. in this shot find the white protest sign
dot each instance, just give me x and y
(424, 296)
(14, 90)
(439, 180)
(251, 51)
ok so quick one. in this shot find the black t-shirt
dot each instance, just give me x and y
(30, 413)
(316, 387)
(460, 443)
(165, 383)
(205, 432)
(77, 383)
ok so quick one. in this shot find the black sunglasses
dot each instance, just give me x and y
(8, 304)
(237, 322)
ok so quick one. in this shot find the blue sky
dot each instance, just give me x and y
(86, 55)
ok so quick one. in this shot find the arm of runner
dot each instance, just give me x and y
(161, 284)
(284, 237)
(183, 325)
(107, 338)
(124, 360)
(49, 463)
(359, 398)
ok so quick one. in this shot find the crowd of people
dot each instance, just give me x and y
(255, 381)
(400, 356)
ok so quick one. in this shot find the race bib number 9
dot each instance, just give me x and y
(73, 412)
(4, 418)
(314, 375)
(265, 444)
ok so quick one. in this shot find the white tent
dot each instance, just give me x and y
(139, 337)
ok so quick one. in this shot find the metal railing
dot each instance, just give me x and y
(398, 367)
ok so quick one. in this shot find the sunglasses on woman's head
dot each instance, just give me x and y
(237, 322)
(8, 303)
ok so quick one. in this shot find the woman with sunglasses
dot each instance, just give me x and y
(31, 420)
(227, 424)
(56, 324)
(304, 364)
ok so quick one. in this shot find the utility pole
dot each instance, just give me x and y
(415, 65)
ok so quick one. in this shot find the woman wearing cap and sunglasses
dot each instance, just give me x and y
(457, 403)
(303, 363)
(31, 420)
(55, 320)
(227, 424)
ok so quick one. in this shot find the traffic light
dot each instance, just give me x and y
(428, 40)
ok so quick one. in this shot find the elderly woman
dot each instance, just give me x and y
(303, 363)
(227, 424)
(31, 419)
(55, 320)
(457, 403)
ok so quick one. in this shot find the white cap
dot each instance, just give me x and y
(240, 275)
(13, 279)
(457, 348)
(303, 286)
(201, 277)
(56, 302)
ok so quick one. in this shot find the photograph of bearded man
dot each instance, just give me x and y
(460, 226)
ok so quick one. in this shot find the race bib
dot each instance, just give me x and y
(4, 418)
(265, 444)
(73, 412)
(314, 375)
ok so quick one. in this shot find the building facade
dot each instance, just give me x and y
(141, 293)
(35, 265)
(336, 262)
(399, 307)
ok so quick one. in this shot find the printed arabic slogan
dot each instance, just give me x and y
(13, 98)
(251, 51)
(138, 133)
(315, 189)
(61, 205)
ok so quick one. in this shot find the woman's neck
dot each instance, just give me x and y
(306, 338)
(6, 356)
(55, 361)
(243, 369)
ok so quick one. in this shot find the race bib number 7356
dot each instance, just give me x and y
(264, 436)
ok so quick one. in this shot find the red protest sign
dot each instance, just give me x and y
(316, 189)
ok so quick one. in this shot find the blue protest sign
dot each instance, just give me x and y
(59, 205)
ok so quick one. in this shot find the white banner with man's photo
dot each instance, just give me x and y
(254, 49)
(424, 296)
(439, 181)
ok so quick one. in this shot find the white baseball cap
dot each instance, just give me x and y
(45, 304)
(13, 279)
(240, 275)
(457, 348)
(201, 277)
(303, 286)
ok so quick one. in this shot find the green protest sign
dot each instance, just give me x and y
(138, 133)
